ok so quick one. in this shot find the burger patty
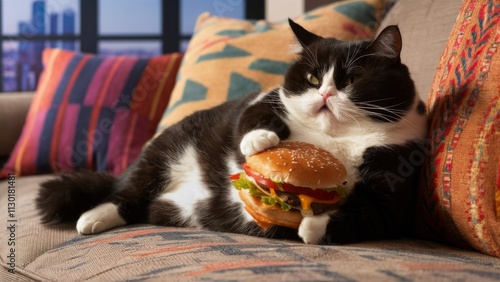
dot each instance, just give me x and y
(294, 202)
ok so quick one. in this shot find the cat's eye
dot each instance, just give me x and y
(349, 80)
(312, 79)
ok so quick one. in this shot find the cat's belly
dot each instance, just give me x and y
(186, 187)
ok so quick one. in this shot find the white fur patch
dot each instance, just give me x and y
(258, 98)
(99, 219)
(186, 187)
(258, 140)
(327, 85)
(313, 228)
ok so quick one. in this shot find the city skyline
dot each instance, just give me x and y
(21, 60)
(22, 69)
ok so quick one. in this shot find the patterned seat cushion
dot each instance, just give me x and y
(149, 252)
(143, 252)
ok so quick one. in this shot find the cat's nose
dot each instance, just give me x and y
(326, 96)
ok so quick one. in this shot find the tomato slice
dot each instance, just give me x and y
(319, 194)
(234, 177)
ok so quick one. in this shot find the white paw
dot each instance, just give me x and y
(99, 219)
(258, 140)
(313, 228)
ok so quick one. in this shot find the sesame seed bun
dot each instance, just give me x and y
(300, 164)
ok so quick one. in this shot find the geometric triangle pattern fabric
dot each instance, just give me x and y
(262, 27)
(228, 52)
(359, 11)
(240, 86)
(232, 32)
(308, 17)
(193, 91)
(269, 66)
(227, 58)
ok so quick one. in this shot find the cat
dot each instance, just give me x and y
(353, 98)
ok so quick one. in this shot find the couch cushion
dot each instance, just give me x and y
(31, 238)
(149, 252)
(13, 107)
(425, 26)
(228, 58)
(461, 176)
(92, 112)
(142, 252)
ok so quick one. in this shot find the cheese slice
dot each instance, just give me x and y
(306, 201)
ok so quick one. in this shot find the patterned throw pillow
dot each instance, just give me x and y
(457, 199)
(92, 112)
(229, 58)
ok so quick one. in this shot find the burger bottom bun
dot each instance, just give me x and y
(267, 216)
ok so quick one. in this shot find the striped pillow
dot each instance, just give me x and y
(92, 112)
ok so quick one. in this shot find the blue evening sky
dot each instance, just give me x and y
(123, 16)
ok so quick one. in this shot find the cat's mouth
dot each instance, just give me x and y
(323, 108)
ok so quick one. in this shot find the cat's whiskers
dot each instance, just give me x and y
(360, 57)
(349, 60)
(351, 113)
(391, 113)
(311, 57)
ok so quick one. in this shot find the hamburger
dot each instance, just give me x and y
(281, 185)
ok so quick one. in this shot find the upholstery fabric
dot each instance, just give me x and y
(146, 252)
(457, 198)
(228, 58)
(92, 112)
(13, 107)
(425, 26)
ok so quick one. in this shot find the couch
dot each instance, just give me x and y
(40, 252)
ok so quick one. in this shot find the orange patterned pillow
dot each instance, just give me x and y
(459, 199)
(228, 58)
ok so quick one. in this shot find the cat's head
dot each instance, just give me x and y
(334, 84)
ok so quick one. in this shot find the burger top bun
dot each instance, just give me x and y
(300, 164)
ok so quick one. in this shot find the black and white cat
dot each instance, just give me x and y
(354, 99)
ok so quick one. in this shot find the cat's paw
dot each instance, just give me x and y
(99, 219)
(258, 140)
(313, 228)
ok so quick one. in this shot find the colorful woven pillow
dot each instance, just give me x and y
(462, 176)
(229, 58)
(92, 112)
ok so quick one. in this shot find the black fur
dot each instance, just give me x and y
(66, 197)
(383, 203)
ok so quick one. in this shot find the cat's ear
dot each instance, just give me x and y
(388, 43)
(304, 37)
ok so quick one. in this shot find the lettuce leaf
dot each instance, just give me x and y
(340, 190)
(244, 183)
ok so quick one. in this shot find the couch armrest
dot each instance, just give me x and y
(13, 110)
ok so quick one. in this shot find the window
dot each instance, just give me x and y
(26, 28)
(124, 27)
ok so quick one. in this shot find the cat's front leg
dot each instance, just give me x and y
(312, 229)
(258, 140)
